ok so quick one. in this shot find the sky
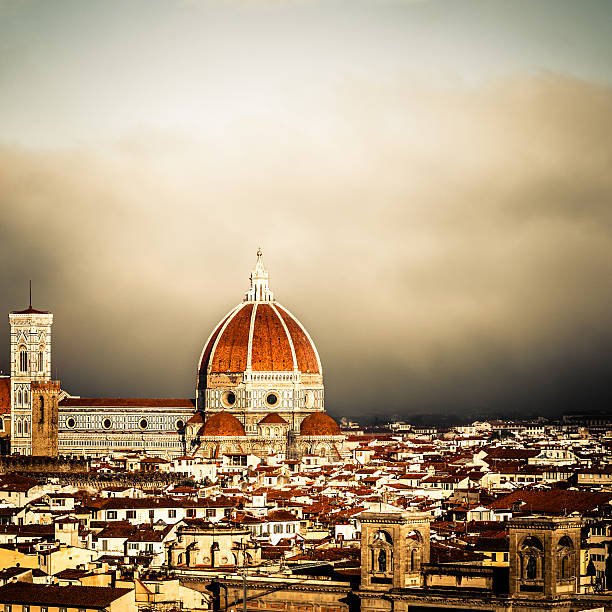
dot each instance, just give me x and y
(429, 181)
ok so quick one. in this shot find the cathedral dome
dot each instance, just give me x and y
(319, 424)
(222, 424)
(258, 335)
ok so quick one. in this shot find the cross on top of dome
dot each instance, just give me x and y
(259, 291)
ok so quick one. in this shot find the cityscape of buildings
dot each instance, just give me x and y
(250, 497)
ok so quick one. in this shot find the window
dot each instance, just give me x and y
(111, 514)
(7, 608)
(271, 399)
(25, 609)
(278, 529)
(171, 513)
(228, 399)
(63, 609)
(130, 514)
(23, 361)
(40, 361)
(210, 512)
(191, 512)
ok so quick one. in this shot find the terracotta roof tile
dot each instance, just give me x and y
(133, 402)
(271, 351)
(304, 352)
(52, 595)
(230, 354)
(319, 424)
(272, 418)
(222, 424)
(5, 395)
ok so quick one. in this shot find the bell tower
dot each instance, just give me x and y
(30, 362)
(393, 548)
(544, 556)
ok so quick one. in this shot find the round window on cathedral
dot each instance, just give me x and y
(70, 423)
(228, 399)
(180, 424)
(271, 399)
(106, 423)
(143, 423)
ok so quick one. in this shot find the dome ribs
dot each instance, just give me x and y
(271, 351)
(209, 346)
(306, 358)
(230, 354)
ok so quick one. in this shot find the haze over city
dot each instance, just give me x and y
(429, 182)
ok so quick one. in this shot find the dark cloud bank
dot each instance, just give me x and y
(449, 251)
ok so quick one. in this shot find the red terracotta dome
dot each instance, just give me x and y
(222, 424)
(319, 424)
(264, 337)
(273, 418)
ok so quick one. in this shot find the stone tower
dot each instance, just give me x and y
(30, 362)
(45, 399)
(544, 556)
(393, 548)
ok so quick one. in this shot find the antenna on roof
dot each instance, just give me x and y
(30, 294)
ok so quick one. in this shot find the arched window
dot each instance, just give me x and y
(23, 359)
(26, 427)
(532, 558)
(414, 560)
(381, 552)
(19, 398)
(19, 427)
(41, 360)
(565, 552)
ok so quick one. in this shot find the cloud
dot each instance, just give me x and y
(449, 250)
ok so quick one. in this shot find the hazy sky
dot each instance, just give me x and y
(430, 181)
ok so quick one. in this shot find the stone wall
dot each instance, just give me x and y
(33, 465)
